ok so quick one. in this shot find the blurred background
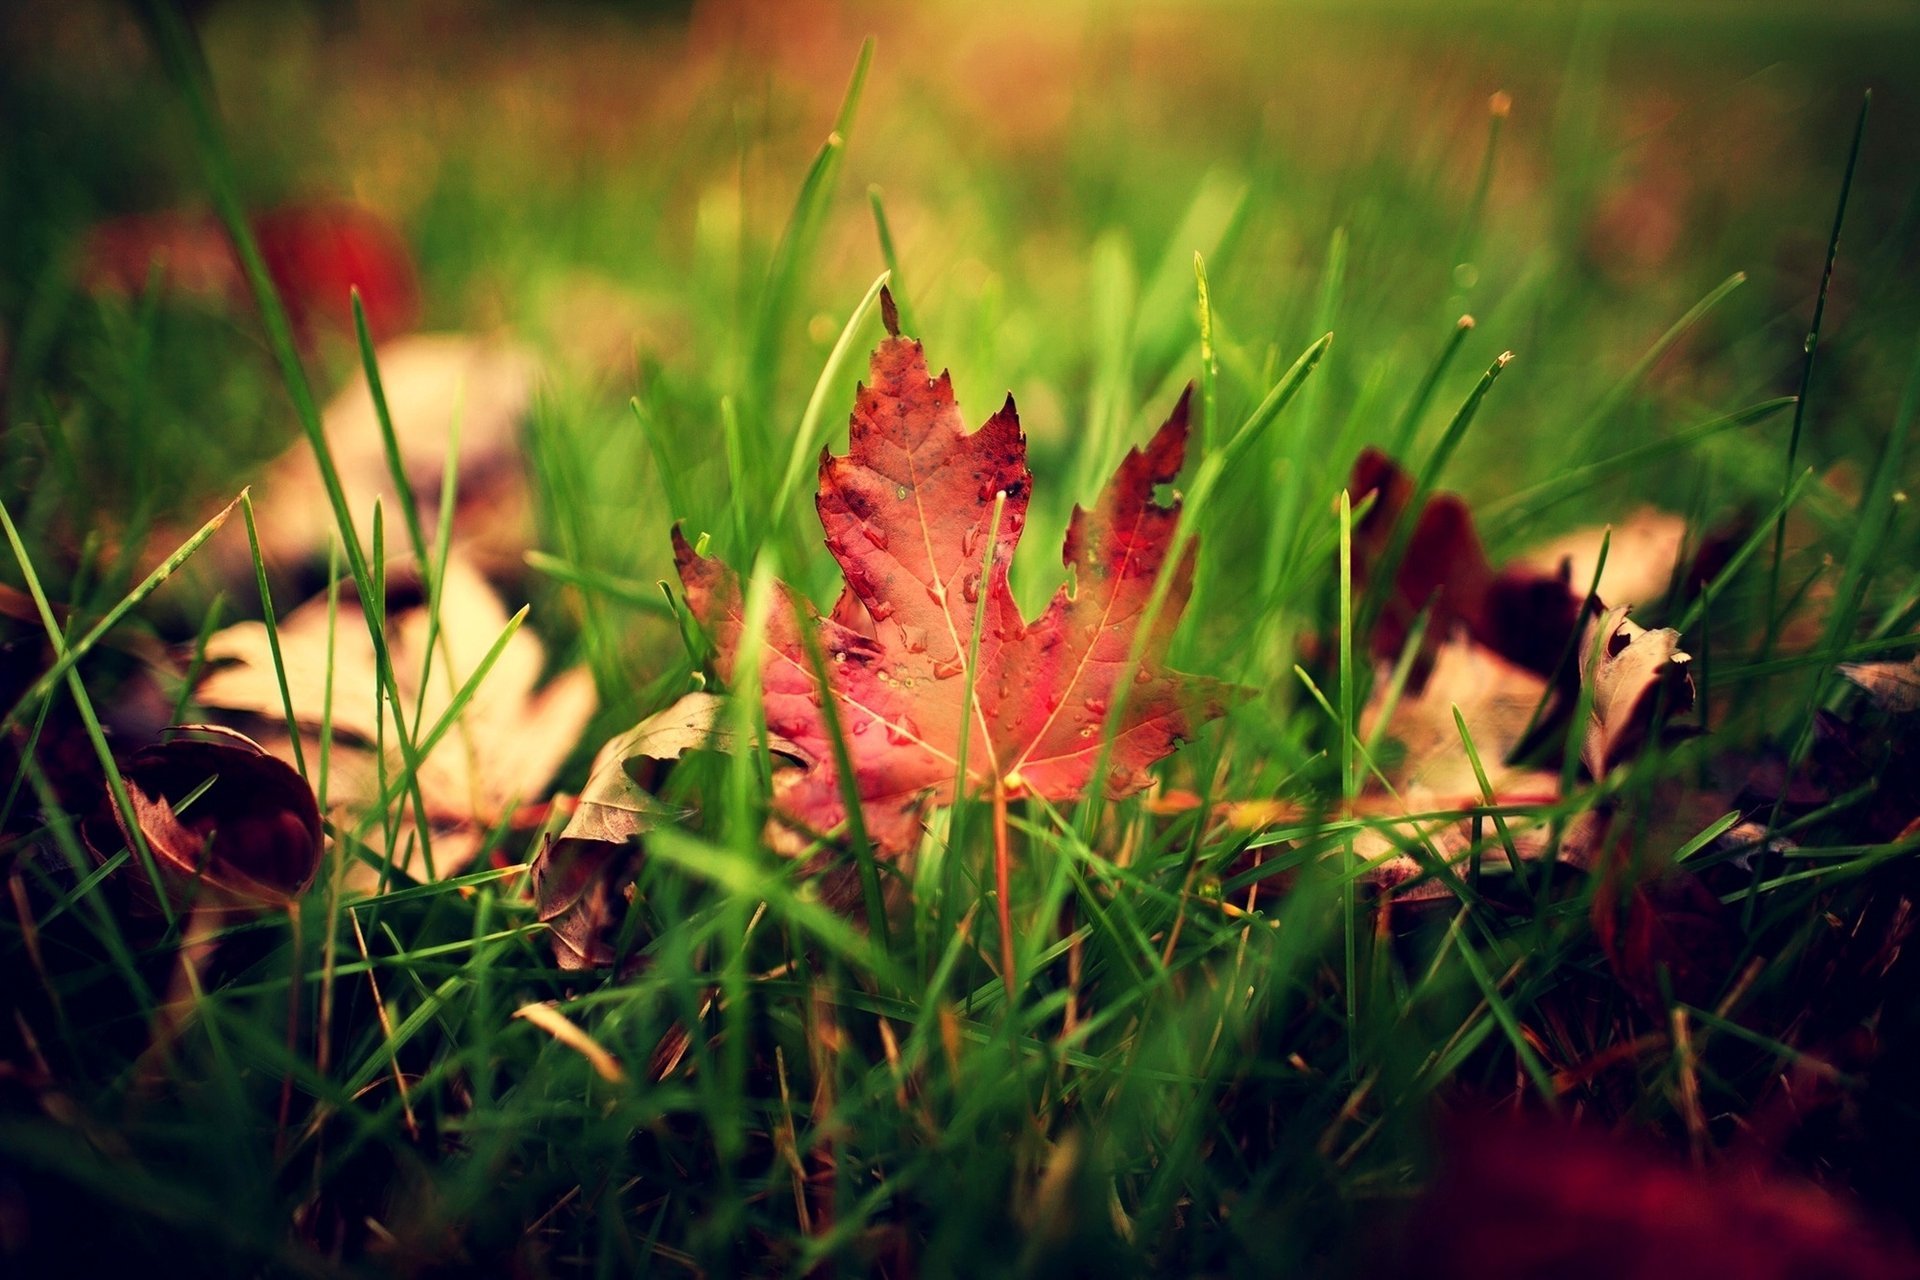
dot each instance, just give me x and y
(599, 202)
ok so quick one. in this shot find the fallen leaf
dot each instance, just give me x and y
(1893, 686)
(580, 875)
(908, 513)
(316, 252)
(1644, 552)
(1442, 566)
(231, 829)
(1524, 614)
(1496, 698)
(434, 384)
(1668, 935)
(1638, 677)
(504, 747)
(1515, 1199)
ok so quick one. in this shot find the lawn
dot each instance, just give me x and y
(481, 410)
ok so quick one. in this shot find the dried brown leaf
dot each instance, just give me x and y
(250, 839)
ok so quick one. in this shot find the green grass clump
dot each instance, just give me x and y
(1218, 1053)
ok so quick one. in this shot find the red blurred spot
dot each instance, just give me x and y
(316, 253)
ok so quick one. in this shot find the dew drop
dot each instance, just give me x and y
(970, 541)
(881, 610)
(913, 639)
(902, 733)
(1096, 706)
(878, 537)
(937, 592)
(949, 668)
(970, 588)
(860, 727)
(1142, 675)
(1006, 688)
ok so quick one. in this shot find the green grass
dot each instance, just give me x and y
(1211, 1050)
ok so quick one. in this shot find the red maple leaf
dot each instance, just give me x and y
(909, 514)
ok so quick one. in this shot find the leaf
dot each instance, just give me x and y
(315, 251)
(1533, 1197)
(505, 745)
(1527, 610)
(250, 838)
(435, 385)
(579, 876)
(1893, 686)
(908, 513)
(1442, 565)
(1638, 677)
(1673, 926)
(1495, 642)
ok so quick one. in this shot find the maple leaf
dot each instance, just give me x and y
(909, 514)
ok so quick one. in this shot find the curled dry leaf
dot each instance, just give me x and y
(230, 827)
(1893, 686)
(909, 513)
(1638, 678)
(580, 875)
(503, 748)
(1496, 654)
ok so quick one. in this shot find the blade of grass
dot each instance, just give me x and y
(797, 241)
(804, 438)
(79, 649)
(1812, 349)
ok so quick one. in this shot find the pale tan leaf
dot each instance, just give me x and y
(1894, 686)
(501, 751)
(1643, 553)
(1637, 676)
